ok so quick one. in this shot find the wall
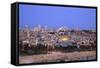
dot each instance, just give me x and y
(5, 34)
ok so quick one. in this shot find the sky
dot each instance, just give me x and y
(56, 17)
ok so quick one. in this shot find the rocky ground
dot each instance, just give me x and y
(57, 57)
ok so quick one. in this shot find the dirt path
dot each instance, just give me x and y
(57, 57)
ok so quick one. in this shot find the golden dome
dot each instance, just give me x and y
(64, 37)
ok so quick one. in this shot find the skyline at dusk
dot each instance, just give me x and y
(56, 17)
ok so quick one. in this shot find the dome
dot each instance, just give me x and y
(64, 38)
(62, 29)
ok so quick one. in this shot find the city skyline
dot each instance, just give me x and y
(56, 17)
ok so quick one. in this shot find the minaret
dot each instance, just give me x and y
(27, 30)
(39, 27)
